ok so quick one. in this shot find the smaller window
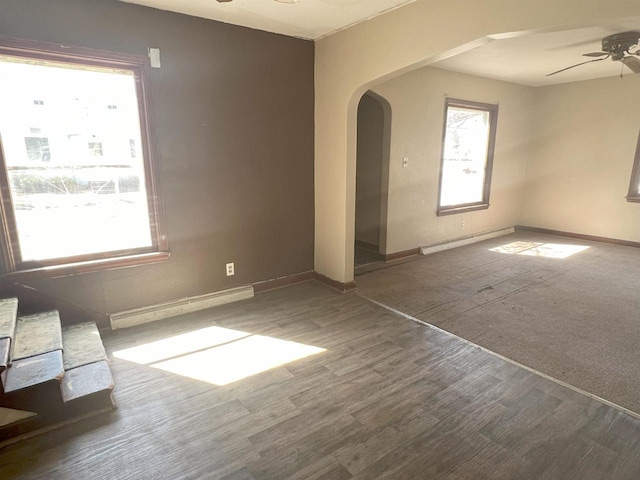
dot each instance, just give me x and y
(467, 156)
(37, 149)
(634, 184)
(95, 149)
(38, 102)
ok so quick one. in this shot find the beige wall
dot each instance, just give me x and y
(417, 100)
(583, 145)
(353, 60)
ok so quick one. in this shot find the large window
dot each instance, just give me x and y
(467, 156)
(634, 185)
(78, 189)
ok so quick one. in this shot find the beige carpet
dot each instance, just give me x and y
(566, 307)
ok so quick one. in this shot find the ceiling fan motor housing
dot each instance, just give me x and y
(619, 44)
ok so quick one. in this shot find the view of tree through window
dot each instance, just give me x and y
(466, 155)
(73, 158)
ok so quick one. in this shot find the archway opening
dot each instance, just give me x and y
(372, 179)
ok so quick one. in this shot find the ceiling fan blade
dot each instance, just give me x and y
(595, 54)
(633, 63)
(577, 65)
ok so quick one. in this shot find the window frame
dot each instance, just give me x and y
(139, 65)
(484, 204)
(633, 195)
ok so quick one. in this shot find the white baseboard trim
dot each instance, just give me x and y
(465, 241)
(138, 316)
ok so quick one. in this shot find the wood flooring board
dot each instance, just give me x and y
(82, 345)
(245, 426)
(485, 461)
(397, 406)
(8, 312)
(572, 464)
(390, 364)
(364, 376)
(242, 474)
(363, 358)
(386, 332)
(281, 391)
(374, 444)
(37, 334)
(327, 468)
(522, 416)
(292, 431)
(613, 429)
(285, 461)
(350, 396)
(442, 461)
(540, 447)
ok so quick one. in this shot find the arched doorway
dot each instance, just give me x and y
(372, 179)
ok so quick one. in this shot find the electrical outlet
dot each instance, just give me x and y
(405, 162)
(462, 225)
(230, 269)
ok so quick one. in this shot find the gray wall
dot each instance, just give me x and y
(369, 170)
(233, 114)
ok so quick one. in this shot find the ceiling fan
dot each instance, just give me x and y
(617, 47)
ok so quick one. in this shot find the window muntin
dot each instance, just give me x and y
(82, 187)
(467, 156)
(634, 184)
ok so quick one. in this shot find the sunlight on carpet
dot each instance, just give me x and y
(536, 249)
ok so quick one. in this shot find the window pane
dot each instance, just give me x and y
(465, 155)
(78, 183)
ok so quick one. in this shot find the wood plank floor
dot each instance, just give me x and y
(387, 399)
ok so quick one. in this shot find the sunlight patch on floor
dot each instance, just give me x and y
(179, 345)
(536, 249)
(217, 355)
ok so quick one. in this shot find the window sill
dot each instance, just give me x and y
(462, 209)
(89, 266)
(633, 199)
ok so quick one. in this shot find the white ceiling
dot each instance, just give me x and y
(524, 59)
(309, 19)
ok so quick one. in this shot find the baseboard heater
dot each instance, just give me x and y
(138, 316)
(465, 240)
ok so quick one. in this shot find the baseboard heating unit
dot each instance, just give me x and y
(465, 241)
(138, 316)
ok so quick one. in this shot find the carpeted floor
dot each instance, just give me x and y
(566, 307)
